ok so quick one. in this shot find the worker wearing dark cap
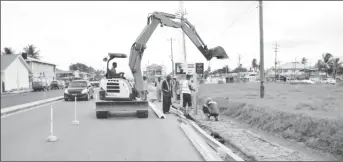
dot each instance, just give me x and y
(167, 94)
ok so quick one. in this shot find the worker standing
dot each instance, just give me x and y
(158, 89)
(146, 86)
(166, 90)
(186, 91)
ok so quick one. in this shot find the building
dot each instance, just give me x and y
(64, 75)
(155, 70)
(72, 75)
(15, 73)
(41, 69)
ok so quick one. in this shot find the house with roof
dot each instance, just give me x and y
(41, 69)
(15, 73)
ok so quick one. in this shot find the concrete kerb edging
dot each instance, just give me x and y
(16, 108)
(200, 146)
(220, 148)
(157, 111)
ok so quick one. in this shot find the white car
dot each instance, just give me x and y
(328, 81)
(308, 82)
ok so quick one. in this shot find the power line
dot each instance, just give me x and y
(249, 8)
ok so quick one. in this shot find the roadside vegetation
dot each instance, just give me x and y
(308, 114)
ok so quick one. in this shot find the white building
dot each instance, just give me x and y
(290, 69)
(15, 73)
(41, 69)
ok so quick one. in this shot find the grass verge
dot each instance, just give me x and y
(320, 133)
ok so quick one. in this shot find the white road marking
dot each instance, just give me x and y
(32, 108)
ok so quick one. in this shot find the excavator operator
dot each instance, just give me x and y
(113, 72)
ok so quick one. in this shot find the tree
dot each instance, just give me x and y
(239, 69)
(7, 51)
(326, 60)
(32, 51)
(304, 61)
(254, 64)
(81, 67)
(225, 69)
(335, 64)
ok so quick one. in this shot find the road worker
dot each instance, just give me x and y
(186, 91)
(210, 108)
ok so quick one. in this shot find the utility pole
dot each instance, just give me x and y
(171, 56)
(261, 50)
(239, 60)
(239, 67)
(276, 46)
(182, 13)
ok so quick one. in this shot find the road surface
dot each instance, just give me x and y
(121, 138)
(9, 100)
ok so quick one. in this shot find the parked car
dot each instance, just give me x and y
(95, 83)
(54, 85)
(81, 89)
(61, 84)
(67, 82)
(40, 84)
(328, 81)
(308, 82)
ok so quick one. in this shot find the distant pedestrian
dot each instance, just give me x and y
(210, 108)
(166, 90)
(158, 89)
(145, 86)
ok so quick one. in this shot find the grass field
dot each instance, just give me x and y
(310, 114)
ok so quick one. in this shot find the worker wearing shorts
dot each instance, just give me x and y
(210, 108)
(186, 91)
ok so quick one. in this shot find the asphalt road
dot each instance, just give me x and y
(23, 136)
(9, 100)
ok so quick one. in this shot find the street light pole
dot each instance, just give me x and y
(261, 50)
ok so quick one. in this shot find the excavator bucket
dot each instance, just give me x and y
(140, 107)
(218, 52)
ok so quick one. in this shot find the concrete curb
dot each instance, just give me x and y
(157, 111)
(16, 92)
(16, 108)
(220, 148)
(206, 152)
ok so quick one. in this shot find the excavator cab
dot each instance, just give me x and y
(117, 94)
(109, 74)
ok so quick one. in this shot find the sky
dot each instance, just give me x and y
(68, 32)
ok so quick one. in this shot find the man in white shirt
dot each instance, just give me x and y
(186, 91)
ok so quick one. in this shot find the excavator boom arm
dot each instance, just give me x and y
(165, 19)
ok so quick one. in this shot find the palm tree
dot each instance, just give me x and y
(7, 51)
(254, 64)
(31, 51)
(304, 61)
(326, 60)
(335, 64)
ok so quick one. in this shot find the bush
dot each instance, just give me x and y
(220, 82)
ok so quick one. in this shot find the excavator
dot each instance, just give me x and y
(118, 94)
